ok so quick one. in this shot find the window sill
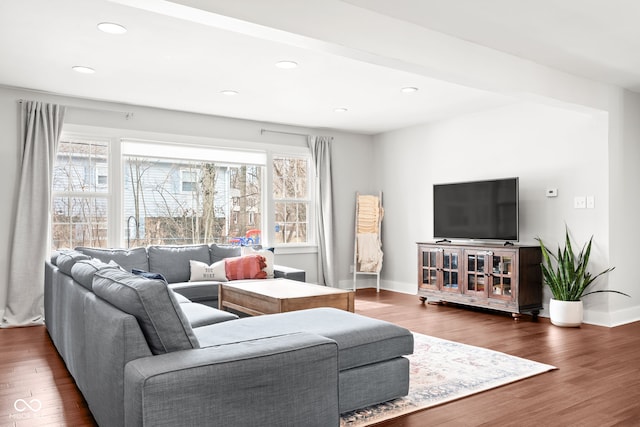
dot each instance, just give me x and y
(296, 249)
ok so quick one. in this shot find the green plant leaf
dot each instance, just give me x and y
(566, 273)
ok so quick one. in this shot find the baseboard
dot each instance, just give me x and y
(624, 316)
(603, 318)
(591, 317)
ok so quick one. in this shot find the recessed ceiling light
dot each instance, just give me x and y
(287, 65)
(409, 89)
(340, 110)
(82, 69)
(229, 92)
(111, 28)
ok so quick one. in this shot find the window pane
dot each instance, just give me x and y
(291, 222)
(291, 199)
(79, 221)
(183, 202)
(80, 189)
(81, 166)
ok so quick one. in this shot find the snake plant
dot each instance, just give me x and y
(566, 274)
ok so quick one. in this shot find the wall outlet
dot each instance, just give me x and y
(579, 202)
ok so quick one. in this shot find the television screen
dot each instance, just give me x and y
(482, 210)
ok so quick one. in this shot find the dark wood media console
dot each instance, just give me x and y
(504, 278)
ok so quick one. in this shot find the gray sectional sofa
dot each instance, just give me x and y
(143, 353)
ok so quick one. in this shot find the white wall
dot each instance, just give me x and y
(351, 153)
(545, 146)
(624, 225)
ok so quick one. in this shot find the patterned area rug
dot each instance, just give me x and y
(442, 371)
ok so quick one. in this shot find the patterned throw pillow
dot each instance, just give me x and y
(200, 271)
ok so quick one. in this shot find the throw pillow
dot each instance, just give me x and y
(266, 253)
(245, 267)
(200, 271)
(148, 274)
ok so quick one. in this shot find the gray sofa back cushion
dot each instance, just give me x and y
(126, 258)
(65, 260)
(83, 271)
(173, 261)
(152, 303)
(220, 252)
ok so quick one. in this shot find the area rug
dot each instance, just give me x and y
(442, 371)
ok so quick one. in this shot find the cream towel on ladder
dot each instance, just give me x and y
(369, 252)
(369, 214)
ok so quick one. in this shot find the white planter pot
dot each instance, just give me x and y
(565, 313)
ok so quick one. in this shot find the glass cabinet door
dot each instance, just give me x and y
(503, 275)
(450, 261)
(476, 274)
(429, 260)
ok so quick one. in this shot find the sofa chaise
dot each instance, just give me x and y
(143, 353)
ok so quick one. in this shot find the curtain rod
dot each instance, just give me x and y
(127, 114)
(280, 131)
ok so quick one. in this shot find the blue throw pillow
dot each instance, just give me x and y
(148, 275)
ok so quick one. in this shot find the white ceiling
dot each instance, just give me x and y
(168, 62)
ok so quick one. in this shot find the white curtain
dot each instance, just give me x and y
(321, 153)
(40, 127)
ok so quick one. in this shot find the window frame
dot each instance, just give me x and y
(192, 182)
(311, 200)
(107, 194)
(116, 236)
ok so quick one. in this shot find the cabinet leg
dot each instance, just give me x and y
(516, 316)
(534, 315)
(423, 299)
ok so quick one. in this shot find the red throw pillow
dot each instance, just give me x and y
(245, 267)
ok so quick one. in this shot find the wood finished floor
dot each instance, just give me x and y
(597, 383)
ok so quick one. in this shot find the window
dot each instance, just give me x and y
(80, 193)
(102, 175)
(110, 192)
(185, 201)
(189, 180)
(292, 201)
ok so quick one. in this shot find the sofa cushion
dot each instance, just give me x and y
(220, 252)
(173, 261)
(126, 258)
(361, 340)
(201, 271)
(152, 303)
(180, 298)
(197, 291)
(84, 270)
(66, 260)
(201, 315)
(266, 253)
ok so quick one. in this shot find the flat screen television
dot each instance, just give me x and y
(477, 210)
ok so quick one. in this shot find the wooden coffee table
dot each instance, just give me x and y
(279, 295)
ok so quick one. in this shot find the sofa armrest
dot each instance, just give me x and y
(281, 380)
(280, 271)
